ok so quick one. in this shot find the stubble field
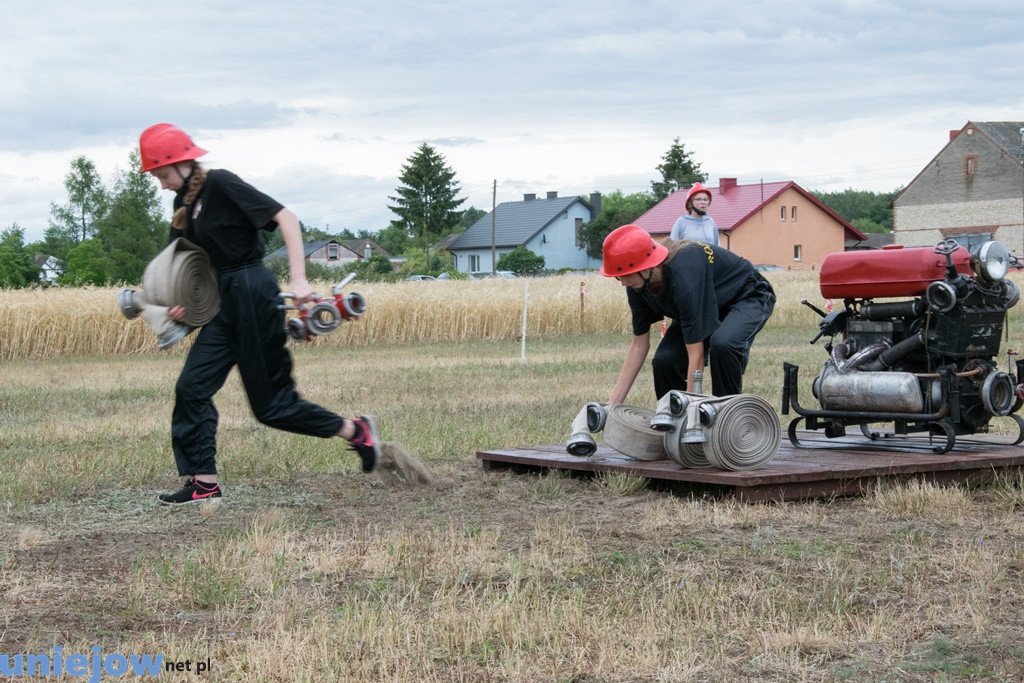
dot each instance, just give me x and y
(310, 570)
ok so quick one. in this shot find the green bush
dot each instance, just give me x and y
(521, 261)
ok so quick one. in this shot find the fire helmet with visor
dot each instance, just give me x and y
(630, 249)
(696, 189)
(164, 145)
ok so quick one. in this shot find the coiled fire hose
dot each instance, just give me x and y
(180, 275)
(740, 432)
(625, 428)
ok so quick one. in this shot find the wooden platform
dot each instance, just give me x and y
(847, 466)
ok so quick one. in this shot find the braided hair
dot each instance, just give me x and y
(195, 184)
(657, 279)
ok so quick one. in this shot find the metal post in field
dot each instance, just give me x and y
(583, 291)
(526, 301)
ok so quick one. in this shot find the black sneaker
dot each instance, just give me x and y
(366, 442)
(192, 492)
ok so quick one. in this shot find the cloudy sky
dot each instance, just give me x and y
(320, 102)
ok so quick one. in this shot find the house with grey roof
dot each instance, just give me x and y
(325, 252)
(365, 248)
(549, 227)
(972, 191)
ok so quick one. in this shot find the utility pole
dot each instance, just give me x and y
(1022, 190)
(494, 209)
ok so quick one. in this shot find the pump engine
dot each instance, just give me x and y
(926, 363)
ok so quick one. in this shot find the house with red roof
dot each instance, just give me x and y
(778, 224)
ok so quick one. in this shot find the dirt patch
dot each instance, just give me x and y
(399, 465)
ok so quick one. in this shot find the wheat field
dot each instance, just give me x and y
(55, 322)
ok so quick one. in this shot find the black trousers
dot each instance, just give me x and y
(726, 351)
(247, 332)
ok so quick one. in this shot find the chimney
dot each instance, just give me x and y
(726, 184)
(595, 205)
(367, 251)
(953, 134)
(529, 197)
(552, 195)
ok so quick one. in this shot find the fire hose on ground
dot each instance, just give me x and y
(740, 432)
(625, 428)
(180, 275)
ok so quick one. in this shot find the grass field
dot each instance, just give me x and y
(312, 571)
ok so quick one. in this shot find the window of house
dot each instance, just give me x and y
(797, 252)
(782, 213)
(970, 164)
(793, 214)
(332, 252)
(579, 225)
(474, 263)
(971, 240)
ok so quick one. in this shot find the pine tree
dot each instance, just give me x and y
(678, 170)
(426, 202)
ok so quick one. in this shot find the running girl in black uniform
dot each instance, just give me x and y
(224, 215)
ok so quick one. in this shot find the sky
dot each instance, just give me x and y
(321, 103)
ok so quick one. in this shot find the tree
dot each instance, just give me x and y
(616, 209)
(426, 202)
(393, 239)
(87, 201)
(866, 225)
(521, 261)
(87, 265)
(678, 170)
(379, 263)
(133, 229)
(867, 211)
(17, 269)
(470, 216)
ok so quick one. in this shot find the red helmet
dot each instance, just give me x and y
(630, 249)
(164, 144)
(697, 189)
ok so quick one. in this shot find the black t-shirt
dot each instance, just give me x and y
(699, 285)
(226, 218)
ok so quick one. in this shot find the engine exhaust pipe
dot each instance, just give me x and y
(891, 356)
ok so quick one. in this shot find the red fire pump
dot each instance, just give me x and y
(926, 363)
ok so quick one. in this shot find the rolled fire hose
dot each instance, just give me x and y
(740, 432)
(625, 428)
(681, 415)
(745, 435)
(180, 275)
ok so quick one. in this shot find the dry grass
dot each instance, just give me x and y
(311, 571)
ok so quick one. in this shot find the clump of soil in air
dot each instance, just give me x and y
(399, 465)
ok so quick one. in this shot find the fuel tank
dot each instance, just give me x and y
(891, 271)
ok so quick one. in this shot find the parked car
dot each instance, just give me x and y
(421, 278)
(486, 275)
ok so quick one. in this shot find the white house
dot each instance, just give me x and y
(548, 227)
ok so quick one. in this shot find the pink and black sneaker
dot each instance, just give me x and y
(193, 491)
(365, 441)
